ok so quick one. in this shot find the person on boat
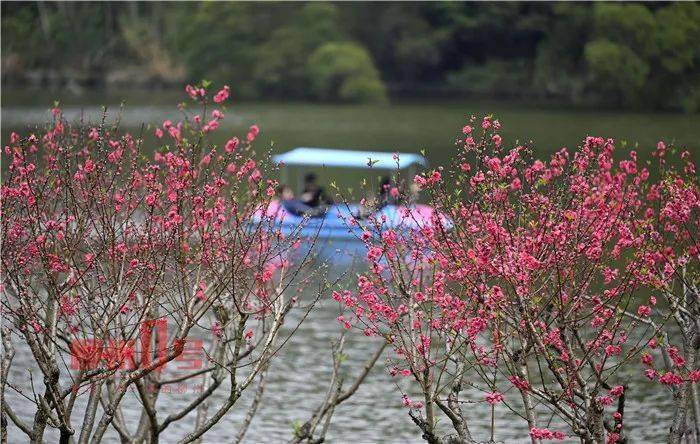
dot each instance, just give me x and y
(375, 202)
(295, 206)
(386, 196)
(314, 195)
(413, 193)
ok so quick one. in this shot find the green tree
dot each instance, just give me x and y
(677, 79)
(620, 55)
(678, 36)
(627, 24)
(559, 66)
(495, 78)
(618, 73)
(280, 68)
(220, 41)
(81, 37)
(345, 71)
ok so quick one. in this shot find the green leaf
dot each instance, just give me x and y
(296, 426)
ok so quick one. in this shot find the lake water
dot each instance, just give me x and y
(406, 126)
(299, 377)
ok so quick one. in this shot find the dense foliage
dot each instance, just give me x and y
(128, 273)
(614, 54)
(555, 280)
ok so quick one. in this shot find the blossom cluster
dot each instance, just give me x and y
(550, 270)
(104, 226)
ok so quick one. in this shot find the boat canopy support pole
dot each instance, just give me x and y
(300, 174)
(284, 175)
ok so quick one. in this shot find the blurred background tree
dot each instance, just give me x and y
(344, 71)
(619, 55)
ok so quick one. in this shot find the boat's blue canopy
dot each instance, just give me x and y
(304, 156)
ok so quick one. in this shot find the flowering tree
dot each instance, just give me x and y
(119, 262)
(670, 268)
(542, 290)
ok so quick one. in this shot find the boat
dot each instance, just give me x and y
(336, 234)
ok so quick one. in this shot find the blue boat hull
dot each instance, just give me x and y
(336, 236)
